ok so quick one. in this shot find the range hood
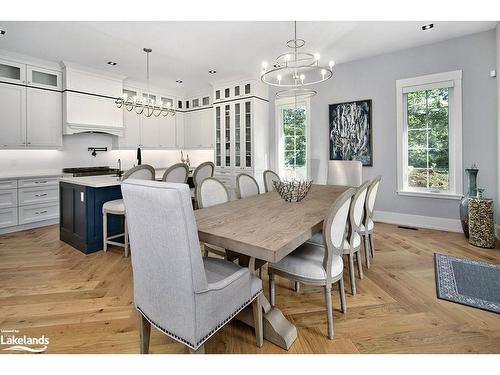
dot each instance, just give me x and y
(89, 101)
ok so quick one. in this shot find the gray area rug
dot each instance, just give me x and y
(468, 282)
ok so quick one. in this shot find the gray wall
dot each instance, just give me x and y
(375, 78)
(497, 218)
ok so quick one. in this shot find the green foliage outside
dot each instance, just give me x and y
(428, 156)
(294, 130)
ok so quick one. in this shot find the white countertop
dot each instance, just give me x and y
(93, 181)
(30, 174)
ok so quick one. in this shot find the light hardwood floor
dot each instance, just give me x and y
(84, 303)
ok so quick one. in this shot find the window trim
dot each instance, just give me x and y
(403, 86)
(281, 104)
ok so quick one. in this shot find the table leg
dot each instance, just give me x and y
(277, 329)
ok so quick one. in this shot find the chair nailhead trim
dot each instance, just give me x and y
(207, 336)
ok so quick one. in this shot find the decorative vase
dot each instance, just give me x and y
(464, 203)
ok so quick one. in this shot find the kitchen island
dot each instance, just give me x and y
(81, 201)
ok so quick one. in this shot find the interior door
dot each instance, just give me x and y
(12, 115)
(44, 118)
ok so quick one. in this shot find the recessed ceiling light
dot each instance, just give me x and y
(2, 32)
(179, 81)
(428, 26)
(212, 71)
(112, 63)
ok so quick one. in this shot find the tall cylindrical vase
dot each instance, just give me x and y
(464, 203)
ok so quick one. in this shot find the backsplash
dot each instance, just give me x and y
(75, 154)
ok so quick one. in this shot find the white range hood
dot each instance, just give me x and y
(89, 101)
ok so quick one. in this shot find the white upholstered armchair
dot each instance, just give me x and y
(182, 294)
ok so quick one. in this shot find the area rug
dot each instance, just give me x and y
(468, 282)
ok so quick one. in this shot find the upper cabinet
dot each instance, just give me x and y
(30, 106)
(89, 101)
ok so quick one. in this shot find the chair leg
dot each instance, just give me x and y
(200, 350)
(329, 312)
(351, 274)
(205, 251)
(296, 286)
(257, 321)
(360, 264)
(372, 244)
(272, 290)
(125, 233)
(367, 250)
(105, 231)
(343, 304)
(144, 334)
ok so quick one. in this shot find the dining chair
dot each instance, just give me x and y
(352, 243)
(269, 177)
(176, 290)
(316, 264)
(345, 172)
(177, 173)
(202, 171)
(246, 186)
(366, 229)
(116, 207)
(209, 193)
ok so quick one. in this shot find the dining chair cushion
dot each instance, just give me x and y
(269, 177)
(370, 226)
(178, 173)
(114, 207)
(211, 192)
(345, 172)
(246, 186)
(203, 171)
(307, 262)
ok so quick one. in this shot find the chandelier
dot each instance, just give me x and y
(146, 105)
(296, 69)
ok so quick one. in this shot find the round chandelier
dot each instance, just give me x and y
(146, 106)
(296, 69)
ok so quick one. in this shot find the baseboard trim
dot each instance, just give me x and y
(427, 222)
(18, 228)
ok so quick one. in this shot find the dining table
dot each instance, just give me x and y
(265, 228)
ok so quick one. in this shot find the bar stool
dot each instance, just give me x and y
(117, 207)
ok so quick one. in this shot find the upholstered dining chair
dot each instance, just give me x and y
(269, 177)
(366, 229)
(352, 243)
(319, 265)
(176, 290)
(246, 186)
(209, 193)
(116, 207)
(202, 171)
(177, 173)
(345, 172)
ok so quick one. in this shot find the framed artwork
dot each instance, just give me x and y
(351, 131)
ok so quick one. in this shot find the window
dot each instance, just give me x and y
(293, 138)
(429, 119)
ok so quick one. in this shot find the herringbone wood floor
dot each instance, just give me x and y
(84, 303)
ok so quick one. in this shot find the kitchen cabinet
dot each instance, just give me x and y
(199, 129)
(30, 106)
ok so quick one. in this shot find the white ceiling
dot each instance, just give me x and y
(188, 49)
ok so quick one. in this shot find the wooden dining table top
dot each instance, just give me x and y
(264, 226)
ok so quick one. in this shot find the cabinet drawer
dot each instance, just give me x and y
(39, 182)
(38, 195)
(8, 217)
(38, 212)
(8, 184)
(8, 198)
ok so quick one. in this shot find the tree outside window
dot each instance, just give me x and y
(294, 135)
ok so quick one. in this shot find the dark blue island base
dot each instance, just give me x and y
(81, 215)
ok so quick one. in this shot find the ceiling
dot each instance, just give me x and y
(187, 50)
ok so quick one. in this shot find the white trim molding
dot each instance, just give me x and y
(38, 224)
(452, 80)
(418, 221)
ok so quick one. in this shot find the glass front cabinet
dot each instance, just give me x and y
(241, 132)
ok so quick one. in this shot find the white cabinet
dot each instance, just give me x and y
(12, 115)
(168, 132)
(30, 106)
(44, 118)
(199, 129)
